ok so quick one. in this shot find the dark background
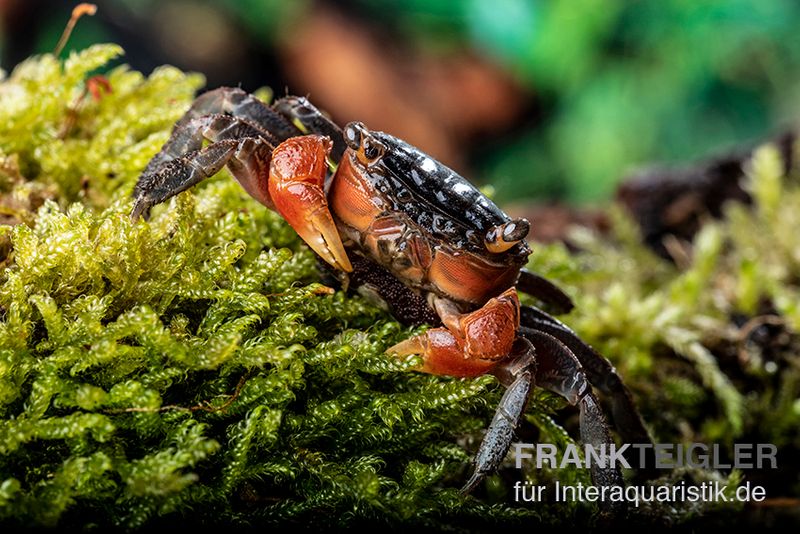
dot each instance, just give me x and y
(544, 100)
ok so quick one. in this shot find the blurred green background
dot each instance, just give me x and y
(544, 100)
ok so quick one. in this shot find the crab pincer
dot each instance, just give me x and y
(297, 189)
(470, 344)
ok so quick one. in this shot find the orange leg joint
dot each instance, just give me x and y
(297, 188)
(470, 344)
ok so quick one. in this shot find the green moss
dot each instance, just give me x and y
(725, 324)
(192, 369)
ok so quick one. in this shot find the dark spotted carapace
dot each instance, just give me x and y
(424, 222)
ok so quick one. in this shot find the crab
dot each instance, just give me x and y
(409, 232)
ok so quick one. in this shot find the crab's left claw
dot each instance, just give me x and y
(297, 188)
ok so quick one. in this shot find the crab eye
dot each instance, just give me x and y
(352, 134)
(502, 237)
(370, 151)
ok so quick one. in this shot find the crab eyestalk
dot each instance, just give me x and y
(504, 236)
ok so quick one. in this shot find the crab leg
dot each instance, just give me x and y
(604, 377)
(544, 290)
(518, 376)
(236, 107)
(541, 359)
(297, 188)
(308, 119)
(599, 370)
(183, 162)
(241, 104)
(177, 175)
(289, 179)
(560, 371)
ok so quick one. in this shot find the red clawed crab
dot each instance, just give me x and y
(400, 226)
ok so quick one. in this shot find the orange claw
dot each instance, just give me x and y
(473, 345)
(297, 187)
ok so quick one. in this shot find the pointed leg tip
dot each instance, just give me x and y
(140, 209)
(476, 478)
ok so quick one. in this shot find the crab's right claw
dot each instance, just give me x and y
(297, 188)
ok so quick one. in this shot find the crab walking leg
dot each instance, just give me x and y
(308, 119)
(297, 187)
(470, 344)
(542, 359)
(599, 371)
(179, 175)
(544, 290)
(183, 162)
(518, 375)
(558, 370)
(238, 107)
(230, 102)
(241, 104)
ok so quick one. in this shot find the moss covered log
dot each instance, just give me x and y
(192, 369)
